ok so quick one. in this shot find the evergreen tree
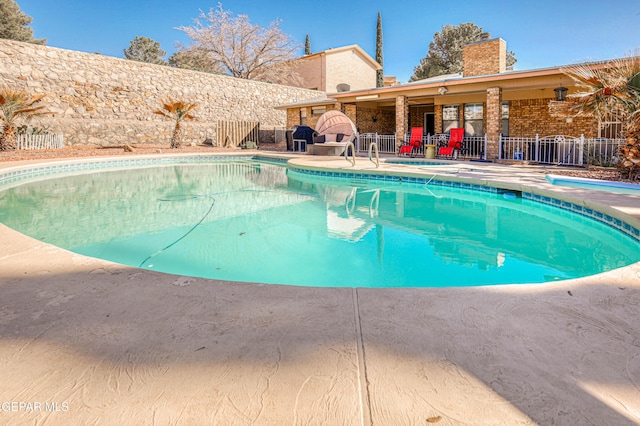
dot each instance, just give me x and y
(445, 51)
(13, 23)
(379, 59)
(144, 49)
(307, 46)
(196, 61)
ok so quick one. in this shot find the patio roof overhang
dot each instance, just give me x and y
(455, 88)
(432, 91)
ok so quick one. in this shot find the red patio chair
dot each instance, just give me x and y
(456, 135)
(414, 144)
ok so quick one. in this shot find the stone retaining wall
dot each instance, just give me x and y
(110, 101)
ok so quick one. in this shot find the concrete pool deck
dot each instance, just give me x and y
(105, 343)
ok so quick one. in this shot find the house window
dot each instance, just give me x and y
(505, 119)
(473, 119)
(450, 117)
(318, 110)
(303, 116)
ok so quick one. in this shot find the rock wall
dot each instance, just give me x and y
(110, 101)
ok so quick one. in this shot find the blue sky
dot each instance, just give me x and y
(542, 33)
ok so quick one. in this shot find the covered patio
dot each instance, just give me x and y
(505, 114)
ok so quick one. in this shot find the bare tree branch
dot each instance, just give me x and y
(244, 50)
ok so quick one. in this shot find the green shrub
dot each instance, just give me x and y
(31, 130)
(249, 145)
(595, 158)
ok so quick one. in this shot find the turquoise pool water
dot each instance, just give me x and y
(258, 222)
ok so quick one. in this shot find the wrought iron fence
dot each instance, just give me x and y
(474, 147)
(602, 151)
(386, 143)
(560, 149)
(555, 149)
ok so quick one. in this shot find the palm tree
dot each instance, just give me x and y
(178, 111)
(606, 90)
(16, 105)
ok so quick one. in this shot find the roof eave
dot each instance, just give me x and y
(307, 103)
(507, 75)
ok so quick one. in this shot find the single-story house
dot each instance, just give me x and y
(486, 99)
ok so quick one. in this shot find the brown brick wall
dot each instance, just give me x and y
(293, 116)
(416, 115)
(526, 119)
(384, 123)
(312, 120)
(438, 119)
(415, 118)
(493, 120)
(350, 111)
(482, 58)
(531, 116)
(402, 117)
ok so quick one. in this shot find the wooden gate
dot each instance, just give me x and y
(235, 133)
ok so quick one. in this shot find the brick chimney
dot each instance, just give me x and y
(484, 57)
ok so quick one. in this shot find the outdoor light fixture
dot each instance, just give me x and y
(561, 93)
(442, 90)
(364, 97)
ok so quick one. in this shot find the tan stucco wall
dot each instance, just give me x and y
(349, 67)
(312, 72)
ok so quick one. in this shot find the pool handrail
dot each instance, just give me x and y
(353, 153)
(371, 146)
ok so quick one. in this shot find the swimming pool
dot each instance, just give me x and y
(261, 222)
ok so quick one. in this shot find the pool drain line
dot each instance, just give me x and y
(430, 179)
(193, 228)
(213, 202)
(441, 173)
